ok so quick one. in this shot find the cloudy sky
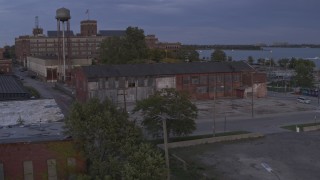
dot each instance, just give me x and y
(186, 21)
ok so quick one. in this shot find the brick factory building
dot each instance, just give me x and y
(5, 64)
(130, 83)
(33, 51)
(33, 144)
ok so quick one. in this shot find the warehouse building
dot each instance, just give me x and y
(133, 82)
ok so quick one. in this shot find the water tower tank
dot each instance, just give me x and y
(63, 14)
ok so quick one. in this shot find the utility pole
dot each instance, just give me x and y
(252, 94)
(318, 94)
(214, 108)
(165, 139)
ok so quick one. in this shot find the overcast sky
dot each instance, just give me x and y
(186, 21)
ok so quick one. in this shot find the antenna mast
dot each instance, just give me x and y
(37, 22)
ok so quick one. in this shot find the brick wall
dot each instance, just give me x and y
(14, 156)
(80, 82)
(5, 66)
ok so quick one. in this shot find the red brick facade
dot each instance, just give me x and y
(209, 86)
(80, 82)
(5, 66)
(15, 156)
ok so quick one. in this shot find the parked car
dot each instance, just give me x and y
(303, 100)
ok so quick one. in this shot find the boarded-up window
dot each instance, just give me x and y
(101, 83)
(202, 90)
(194, 79)
(71, 162)
(52, 169)
(150, 81)
(1, 171)
(140, 82)
(122, 82)
(28, 170)
(219, 78)
(203, 79)
(111, 83)
(236, 78)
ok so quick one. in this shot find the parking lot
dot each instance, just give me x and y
(290, 155)
(242, 108)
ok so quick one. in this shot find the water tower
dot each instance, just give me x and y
(63, 21)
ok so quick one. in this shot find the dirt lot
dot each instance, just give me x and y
(290, 155)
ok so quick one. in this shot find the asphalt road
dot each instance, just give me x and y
(267, 125)
(47, 91)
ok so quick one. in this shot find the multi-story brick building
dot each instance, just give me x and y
(153, 43)
(5, 64)
(129, 83)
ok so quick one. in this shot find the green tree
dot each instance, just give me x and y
(175, 106)
(157, 54)
(130, 48)
(261, 61)
(109, 141)
(304, 73)
(250, 60)
(8, 52)
(283, 62)
(270, 62)
(140, 166)
(218, 55)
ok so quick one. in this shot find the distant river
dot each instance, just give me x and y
(268, 53)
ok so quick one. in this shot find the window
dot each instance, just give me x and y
(202, 90)
(132, 84)
(194, 79)
(101, 83)
(236, 78)
(150, 81)
(28, 170)
(122, 82)
(219, 78)
(52, 169)
(111, 83)
(71, 162)
(141, 82)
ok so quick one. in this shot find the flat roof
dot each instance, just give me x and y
(29, 111)
(30, 121)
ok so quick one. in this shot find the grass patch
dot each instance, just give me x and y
(192, 172)
(188, 138)
(33, 91)
(293, 127)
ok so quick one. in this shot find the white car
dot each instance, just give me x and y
(303, 100)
